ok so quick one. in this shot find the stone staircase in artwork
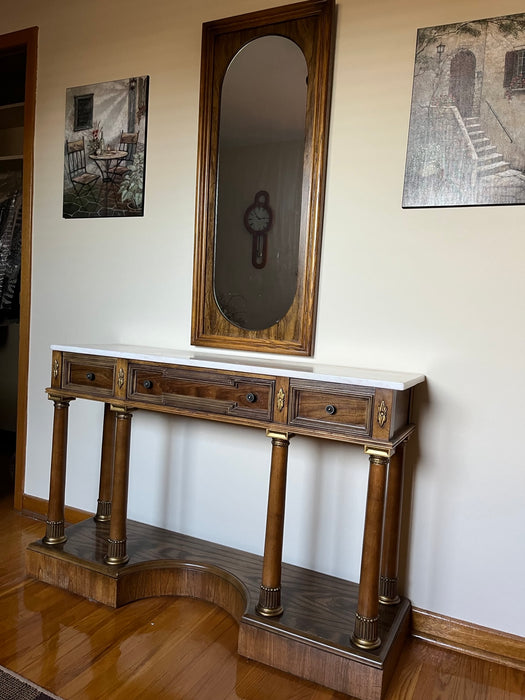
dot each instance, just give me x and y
(490, 162)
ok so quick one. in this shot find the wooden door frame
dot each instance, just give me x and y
(29, 39)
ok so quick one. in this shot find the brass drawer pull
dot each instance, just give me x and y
(148, 384)
(91, 376)
(330, 409)
(251, 398)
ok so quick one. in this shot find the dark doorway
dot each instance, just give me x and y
(18, 62)
(462, 78)
(7, 461)
(12, 98)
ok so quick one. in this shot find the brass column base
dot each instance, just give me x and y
(116, 552)
(269, 604)
(366, 632)
(54, 532)
(388, 591)
(103, 514)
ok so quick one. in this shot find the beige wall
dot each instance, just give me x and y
(434, 291)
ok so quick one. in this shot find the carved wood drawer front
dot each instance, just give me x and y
(88, 374)
(202, 391)
(335, 408)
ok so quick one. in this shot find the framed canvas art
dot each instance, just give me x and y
(105, 149)
(466, 143)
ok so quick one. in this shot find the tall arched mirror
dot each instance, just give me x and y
(265, 89)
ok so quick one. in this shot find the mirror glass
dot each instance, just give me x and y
(259, 185)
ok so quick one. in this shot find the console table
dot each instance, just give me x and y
(343, 635)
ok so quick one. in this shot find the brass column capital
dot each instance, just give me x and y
(379, 455)
(60, 400)
(278, 436)
(121, 410)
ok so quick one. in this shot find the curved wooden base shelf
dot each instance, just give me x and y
(311, 639)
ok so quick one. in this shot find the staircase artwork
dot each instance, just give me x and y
(466, 143)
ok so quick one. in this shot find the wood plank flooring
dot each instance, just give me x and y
(180, 649)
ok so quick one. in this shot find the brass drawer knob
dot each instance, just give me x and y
(251, 398)
(330, 409)
(148, 384)
(91, 376)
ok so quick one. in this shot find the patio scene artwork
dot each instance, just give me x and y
(466, 143)
(105, 149)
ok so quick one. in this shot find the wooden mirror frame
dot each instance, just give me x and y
(310, 25)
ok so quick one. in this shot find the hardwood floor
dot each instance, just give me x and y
(178, 648)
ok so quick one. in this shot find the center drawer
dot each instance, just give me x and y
(341, 408)
(202, 391)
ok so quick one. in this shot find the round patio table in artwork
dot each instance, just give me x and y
(106, 161)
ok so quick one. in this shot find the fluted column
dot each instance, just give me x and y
(117, 530)
(105, 491)
(388, 593)
(366, 631)
(57, 482)
(269, 603)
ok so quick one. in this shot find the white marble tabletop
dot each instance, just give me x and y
(383, 379)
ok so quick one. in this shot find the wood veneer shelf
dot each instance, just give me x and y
(311, 638)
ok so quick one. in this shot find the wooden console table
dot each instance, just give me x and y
(337, 633)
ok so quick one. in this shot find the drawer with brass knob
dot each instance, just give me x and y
(89, 375)
(202, 391)
(339, 408)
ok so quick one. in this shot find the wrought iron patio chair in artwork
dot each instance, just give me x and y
(81, 179)
(128, 142)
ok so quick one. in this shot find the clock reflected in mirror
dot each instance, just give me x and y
(258, 219)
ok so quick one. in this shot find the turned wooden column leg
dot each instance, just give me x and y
(269, 603)
(366, 631)
(388, 593)
(57, 484)
(107, 458)
(119, 510)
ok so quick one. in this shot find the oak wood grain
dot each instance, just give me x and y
(309, 24)
(202, 390)
(93, 374)
(319, 610)
(310, 637)
(172, 648)
(469, 638)
(223, 396)
(332, 407)
(35, 507)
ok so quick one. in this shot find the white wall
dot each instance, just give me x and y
(433, 291)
